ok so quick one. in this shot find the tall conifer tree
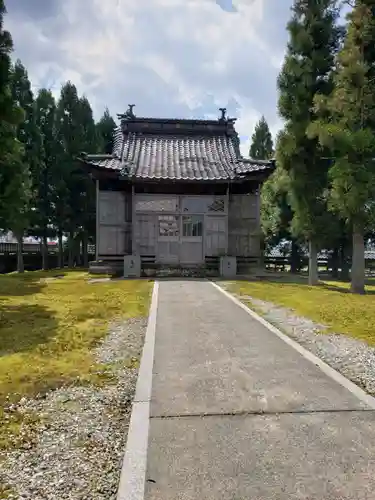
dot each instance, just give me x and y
(347, 128)
(262, 145)
(314, 39)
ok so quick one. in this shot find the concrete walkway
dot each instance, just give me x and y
(238, 414)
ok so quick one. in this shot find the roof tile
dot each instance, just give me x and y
(177, 156)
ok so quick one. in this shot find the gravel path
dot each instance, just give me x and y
(351, 357)
(82, 437)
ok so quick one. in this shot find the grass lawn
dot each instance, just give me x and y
(330, 304)
(49, 323)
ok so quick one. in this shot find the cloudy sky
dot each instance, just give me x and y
(172, 58)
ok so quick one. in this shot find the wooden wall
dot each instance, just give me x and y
(115, 215)
(151, 210)
(114, 223)
(244, 225)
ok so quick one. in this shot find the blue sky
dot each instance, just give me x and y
(172, 58)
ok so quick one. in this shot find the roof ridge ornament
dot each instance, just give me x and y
(130, 113)
(223, 113)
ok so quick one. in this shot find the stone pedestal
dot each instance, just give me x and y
(132, 266)
(228, 267)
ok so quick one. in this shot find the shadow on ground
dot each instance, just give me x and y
(340, 288)
(19, 285)
(326, 282)
(24, 326)
(276, 279)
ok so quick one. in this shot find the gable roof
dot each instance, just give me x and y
(173, 149)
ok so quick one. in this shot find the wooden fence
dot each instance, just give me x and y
(32, 256)
(280, 263)
(33, 248)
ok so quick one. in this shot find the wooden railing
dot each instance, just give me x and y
(282, 263)
(33, 248)
(276, 263)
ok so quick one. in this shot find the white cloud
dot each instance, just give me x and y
(170, 57)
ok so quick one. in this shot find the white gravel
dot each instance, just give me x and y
(80, 442)
(351, 357)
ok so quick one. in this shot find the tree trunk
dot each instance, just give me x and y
(294, 258)
(44, 253)
(313, 264)
(85, 254)
(20, 263)
(71, 250)
(335, 263)
(344, 275)
(61, 251)
(358, 261)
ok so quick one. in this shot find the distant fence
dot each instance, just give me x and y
(281, 263)
(34, 248)
(32, 256)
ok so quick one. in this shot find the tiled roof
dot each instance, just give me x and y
(177, 150)
(188, 158)
(246, 166)
(108, 162)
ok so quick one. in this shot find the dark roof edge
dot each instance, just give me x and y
(239, 178)
(252, 161)
(91, 164)
(87, 156)
(150, 180)
(192, 121)
(177, 127)
(89, 160)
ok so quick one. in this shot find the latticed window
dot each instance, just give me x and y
(203, 204)
(217, 205)
(168, 225)
(192, 225)
(156, 204)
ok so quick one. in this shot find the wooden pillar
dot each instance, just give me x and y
(133, 220)
(260, 259)
(97, 221)
(227, 221)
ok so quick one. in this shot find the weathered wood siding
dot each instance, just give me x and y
(163, 224)
(144, 227)
(244, 225)
(114, 223)
(232, 229)
(215, 235)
